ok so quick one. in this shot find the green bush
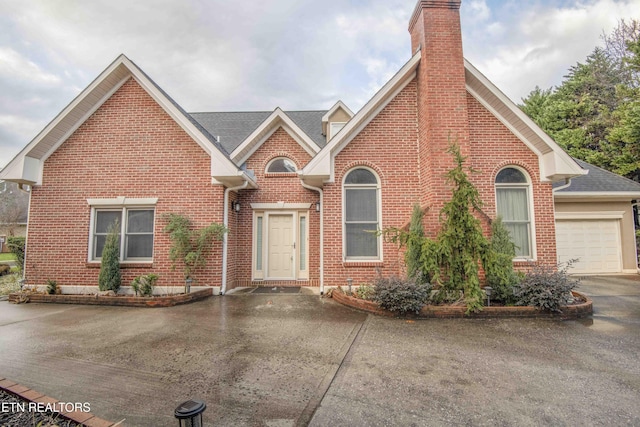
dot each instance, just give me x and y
(17, 247)
(546, 288)
(401, 295)
(144, 284)
(366, 292)
(110, 278)
(52, 287)
(499, 269)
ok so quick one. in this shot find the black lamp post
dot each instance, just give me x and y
(189, 413)
(187, 285)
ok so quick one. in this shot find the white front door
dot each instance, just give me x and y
(281, 248)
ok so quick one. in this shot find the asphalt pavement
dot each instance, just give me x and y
(285, 360)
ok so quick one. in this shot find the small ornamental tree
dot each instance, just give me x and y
(499, 270)
(110, 278)
(461, 246)
(189, 246)
(413, 255)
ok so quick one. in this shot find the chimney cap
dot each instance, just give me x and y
(432, 4)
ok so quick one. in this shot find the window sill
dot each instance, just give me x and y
(349, 264)
(123, 265)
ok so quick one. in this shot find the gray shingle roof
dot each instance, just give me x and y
(234, 127)
(599, 180)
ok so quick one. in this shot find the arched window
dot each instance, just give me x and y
(281, 165)
(361, 215)
(513, 204)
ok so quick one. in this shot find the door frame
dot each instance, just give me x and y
(265, 213)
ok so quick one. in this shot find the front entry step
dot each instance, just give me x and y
(277, 290)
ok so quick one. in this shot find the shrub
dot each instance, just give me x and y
(190, 246)
(413, 255)
(144, 284)
(546, 288)
(499, 269)
(366, 292)
(110, 278)
(401, 296)
(52, 287)
(17, 247)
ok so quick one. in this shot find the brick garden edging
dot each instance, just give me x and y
(127, 301)
(576, 311)
(85, 418)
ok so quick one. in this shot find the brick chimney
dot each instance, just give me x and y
(442, 96)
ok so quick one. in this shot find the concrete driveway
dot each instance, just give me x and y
(281, 360)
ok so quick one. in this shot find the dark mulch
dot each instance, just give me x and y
(11, 414)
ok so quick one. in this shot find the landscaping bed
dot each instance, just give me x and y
(119, 300)
(583, 307)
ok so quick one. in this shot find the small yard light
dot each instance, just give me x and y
(349, 283)
(187, 285)
(488, 290)
(189, 413)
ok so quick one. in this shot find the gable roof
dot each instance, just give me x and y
(27, 166)
(320, 168)
(598, 183)
(555, 164)
(233, 128)
(276, 120)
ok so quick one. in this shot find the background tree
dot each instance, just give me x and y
(14, 207)
(595, 113)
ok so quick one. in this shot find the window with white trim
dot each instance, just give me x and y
(513, 204)
(281, 165)
(361, 201)
(136, 224)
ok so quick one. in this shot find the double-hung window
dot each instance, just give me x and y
(513, 193)
(361, 215)
(133, 222)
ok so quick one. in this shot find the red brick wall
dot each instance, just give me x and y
(388, 145)
(129, 147)
(273, 188)
(442, 105)
(493, 147)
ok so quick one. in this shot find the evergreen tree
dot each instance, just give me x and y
(461, 246)
(110, 278)
(413, 255)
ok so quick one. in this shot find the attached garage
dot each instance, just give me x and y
(595, 222)
(594, 242)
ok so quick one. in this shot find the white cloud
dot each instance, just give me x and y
(14, 66)
(222, 55)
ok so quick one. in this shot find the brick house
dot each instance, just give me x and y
(299, 191)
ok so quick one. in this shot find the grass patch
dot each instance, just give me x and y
(9, 284)
(7, 257)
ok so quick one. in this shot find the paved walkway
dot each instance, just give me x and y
(281, 360)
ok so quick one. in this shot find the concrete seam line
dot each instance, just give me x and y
(344, 355)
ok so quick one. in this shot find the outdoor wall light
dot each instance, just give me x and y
(317, 206)
(187, 285)
(488, 290)
(189, 413)
(235, 206)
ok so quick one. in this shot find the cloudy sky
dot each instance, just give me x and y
(221, 55)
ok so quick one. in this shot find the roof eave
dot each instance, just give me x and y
(322, 164)
(598, 195)
(555, 164)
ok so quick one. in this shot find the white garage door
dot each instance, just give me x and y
(595, 242)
